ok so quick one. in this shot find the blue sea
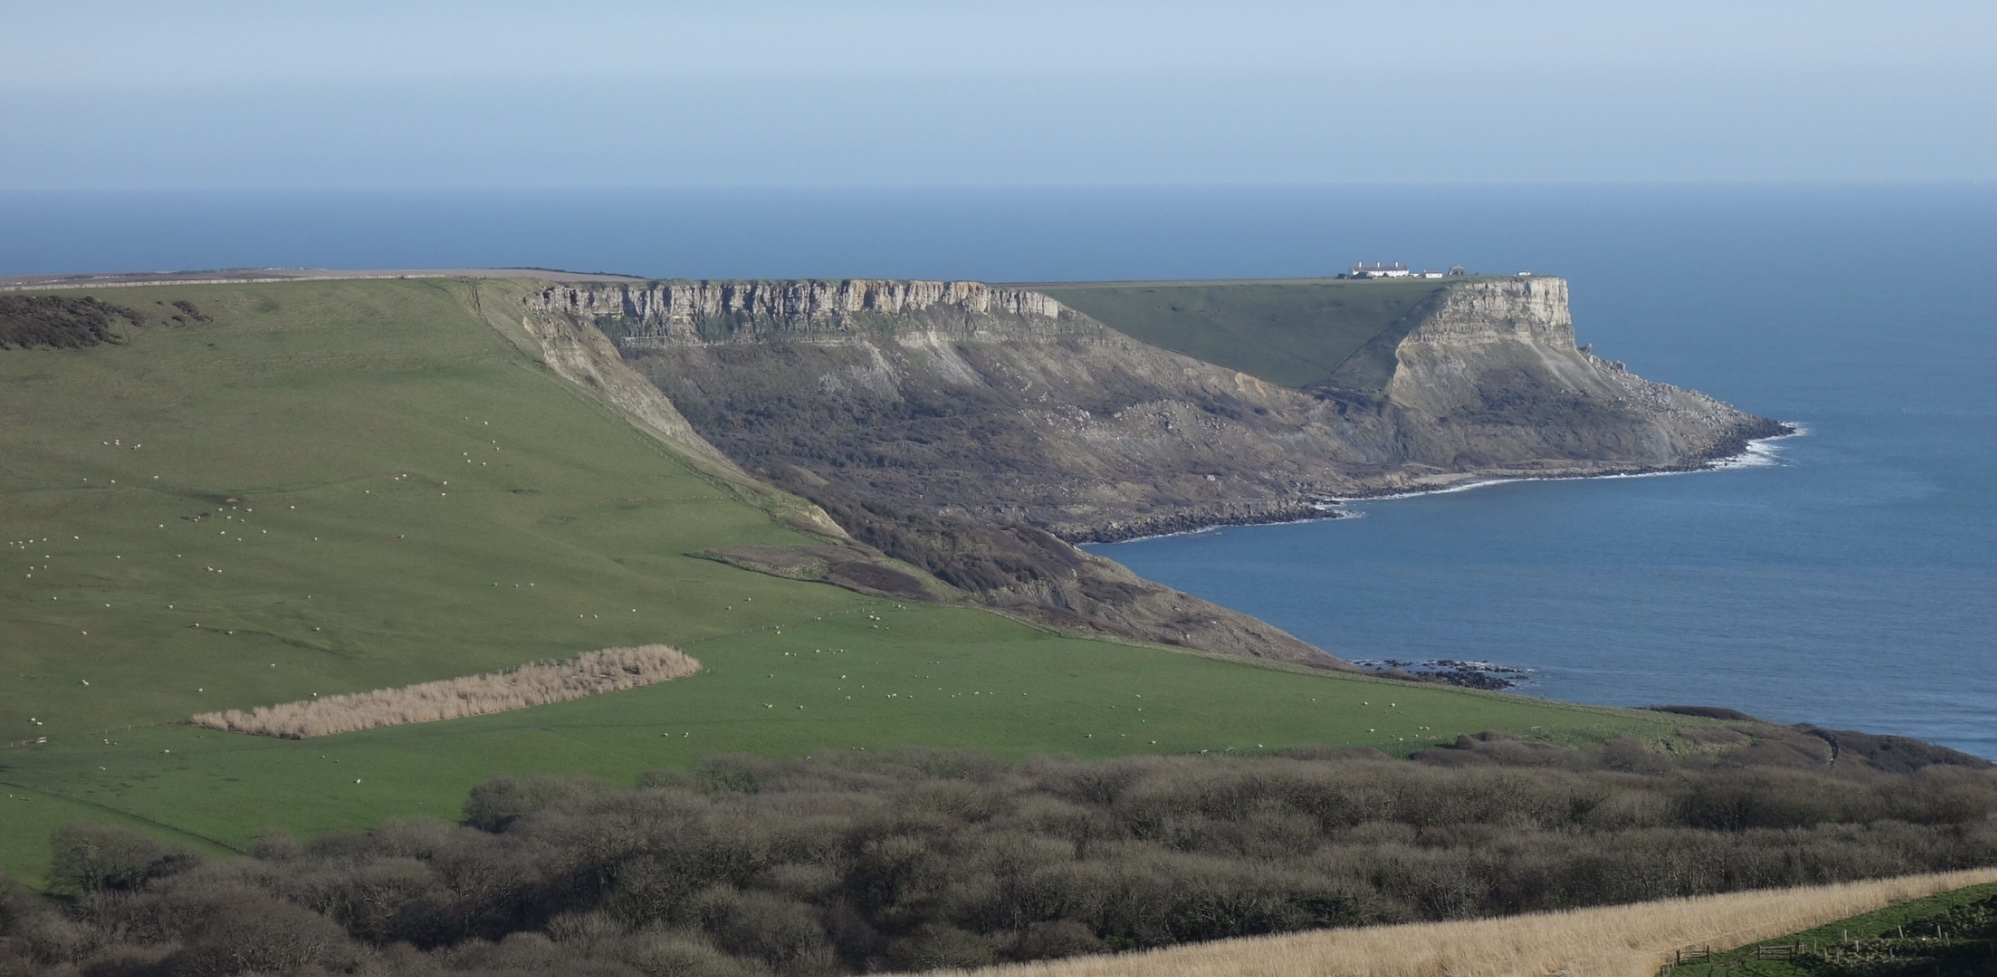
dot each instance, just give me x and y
(1847, 578)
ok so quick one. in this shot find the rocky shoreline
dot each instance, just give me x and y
(1761, 429)
(1321, 507)
(1448, 672)
(1174, 524)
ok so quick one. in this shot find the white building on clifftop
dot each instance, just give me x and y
(1396, 270)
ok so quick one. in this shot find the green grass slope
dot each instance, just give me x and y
(380, 436)
(1292, 332)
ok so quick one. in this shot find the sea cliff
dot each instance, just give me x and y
(1489, 382)
(1002, 405)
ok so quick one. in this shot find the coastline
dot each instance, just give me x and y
(1752, 449)
(1745, 450)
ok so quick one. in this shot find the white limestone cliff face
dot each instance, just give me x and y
(694, 313)
(1482, 324)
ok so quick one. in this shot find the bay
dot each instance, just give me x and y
(1852, 582)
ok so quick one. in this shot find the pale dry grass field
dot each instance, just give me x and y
(533, 684)
(1633, 939)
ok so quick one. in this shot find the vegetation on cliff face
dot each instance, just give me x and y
(852, 862)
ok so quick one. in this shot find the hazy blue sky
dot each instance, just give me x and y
(348, 94)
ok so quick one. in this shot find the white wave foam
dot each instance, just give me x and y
(1761, 452)
(1437, 491)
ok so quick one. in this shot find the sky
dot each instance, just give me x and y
(209, 95)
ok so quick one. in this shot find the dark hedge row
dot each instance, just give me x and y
(857, 862)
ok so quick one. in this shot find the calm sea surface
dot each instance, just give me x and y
(1849, 581)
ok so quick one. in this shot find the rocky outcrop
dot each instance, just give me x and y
(1489, 382)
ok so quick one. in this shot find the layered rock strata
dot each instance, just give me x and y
(667, 314)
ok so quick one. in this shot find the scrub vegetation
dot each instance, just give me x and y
(61, 322)
(533, 684)
(862, 861)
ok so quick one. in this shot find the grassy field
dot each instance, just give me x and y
(1866, 942)
(420, 498)
(1634, 939)
(1291, 332)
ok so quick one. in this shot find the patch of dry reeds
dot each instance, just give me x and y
(1632, 939)
(533, 684)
